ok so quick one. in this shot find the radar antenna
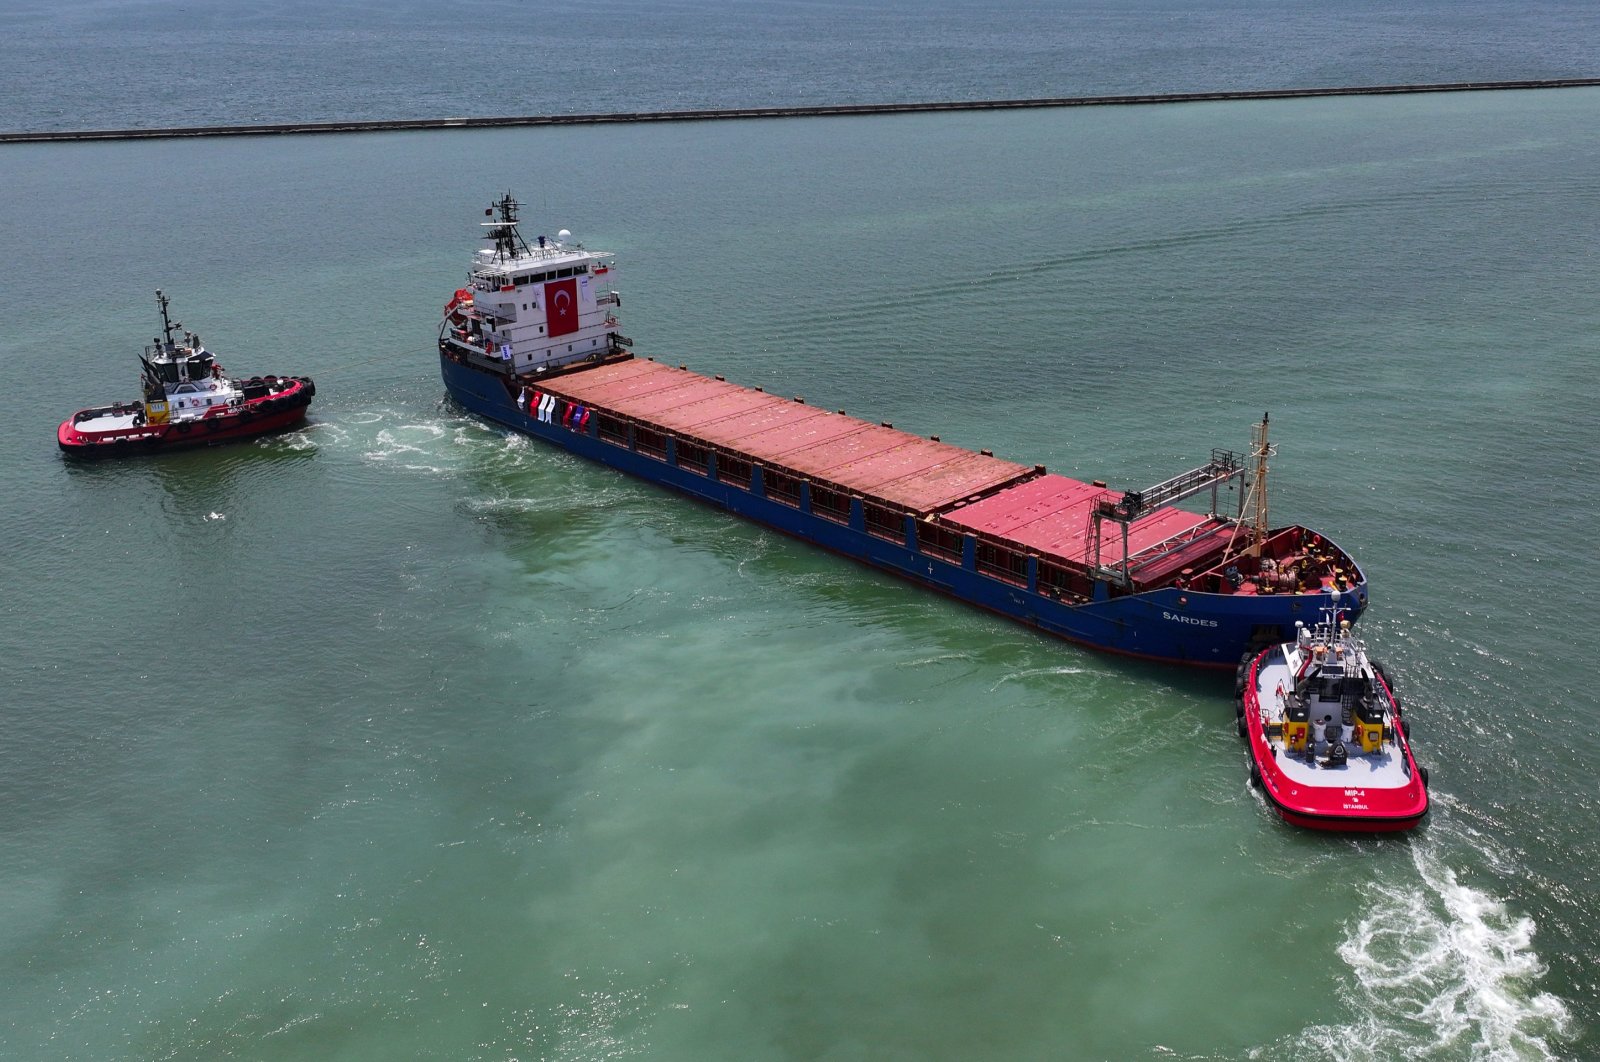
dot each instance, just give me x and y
(508, 242)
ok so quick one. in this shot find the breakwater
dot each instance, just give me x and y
(818, 111)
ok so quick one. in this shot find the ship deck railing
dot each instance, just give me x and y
(1203, 543)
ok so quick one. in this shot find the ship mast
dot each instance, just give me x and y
(167, 323)
(1260, 450)
(508, 242)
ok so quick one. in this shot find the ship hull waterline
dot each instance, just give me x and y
(272, 424)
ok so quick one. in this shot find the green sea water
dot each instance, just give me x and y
(402, 737)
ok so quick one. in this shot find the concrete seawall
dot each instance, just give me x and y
(834, 110)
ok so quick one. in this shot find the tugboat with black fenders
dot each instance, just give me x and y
(188, 400)
(1329, 746)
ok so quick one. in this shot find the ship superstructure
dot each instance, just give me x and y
(531, 308)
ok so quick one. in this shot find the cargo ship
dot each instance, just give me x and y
(188, 400)
(532, 342)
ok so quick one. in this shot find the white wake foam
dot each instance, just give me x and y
(1441, 970)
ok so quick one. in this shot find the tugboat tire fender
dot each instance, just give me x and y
(1405, 728)
(1422, 772)
(1383, 673)
(1239, 725)
(1255, 774)
(183, 427)
(1238, 706)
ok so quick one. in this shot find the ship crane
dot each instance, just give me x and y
(1224, 466)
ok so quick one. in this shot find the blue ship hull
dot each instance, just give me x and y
(1170, 625)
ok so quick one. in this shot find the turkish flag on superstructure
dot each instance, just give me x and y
(561, 306)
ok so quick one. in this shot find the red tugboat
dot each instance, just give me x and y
(1328, 745)
(187, 402)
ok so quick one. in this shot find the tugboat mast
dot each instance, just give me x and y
(167, 323)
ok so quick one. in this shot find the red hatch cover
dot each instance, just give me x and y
(1051, 516)
(881, 463)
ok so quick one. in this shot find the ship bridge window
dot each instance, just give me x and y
(941, 542)
(563, 273)
(883, 522)
(580, 270)
(830, 505)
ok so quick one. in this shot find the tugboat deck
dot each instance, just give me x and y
(108, 421)
(1370, 770)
